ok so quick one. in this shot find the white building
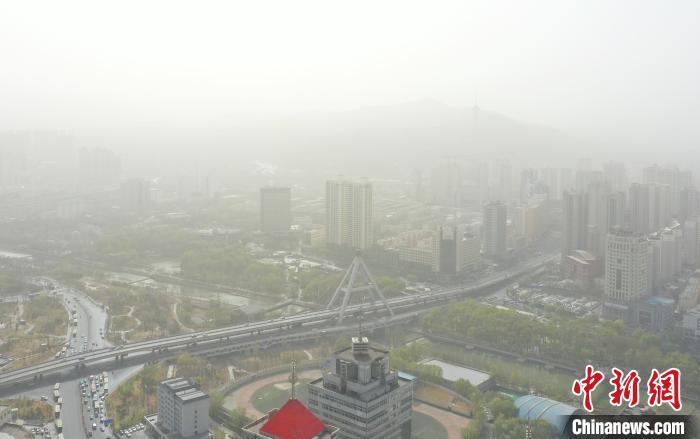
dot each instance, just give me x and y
(349, 214)
(575, 233)
(494, 229)
(626, 271)
(691, 324)
(667, 256)
(183, 411)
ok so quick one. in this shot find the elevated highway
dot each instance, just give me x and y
(263, 334)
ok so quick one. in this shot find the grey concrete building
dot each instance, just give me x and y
(361, 395)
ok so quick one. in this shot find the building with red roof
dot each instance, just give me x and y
(291, 421)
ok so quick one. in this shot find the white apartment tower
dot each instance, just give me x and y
(349, 214)
(495, 238)
(627, 263)
(575, 235)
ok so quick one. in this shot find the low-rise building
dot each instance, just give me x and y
(691, 324)
(291, 421)
(582, 267)
(183, 411)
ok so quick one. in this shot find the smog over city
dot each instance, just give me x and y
(396, 219)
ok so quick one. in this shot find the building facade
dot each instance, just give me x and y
(627, 277)
(349, 214)
(183, 411)
(494, 229)
(575, 227)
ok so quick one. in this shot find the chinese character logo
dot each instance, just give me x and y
(587, 385)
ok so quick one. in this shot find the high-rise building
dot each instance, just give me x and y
(616, 174)
(666, 256)
(639, 196)
(689, 203)
(275, 209)
(468, 251)
(183, 411)
(598, 193)
(616, 211)
(660, 203)
(528, 184)
(505, 181)
(691, 242)
(360, 394)
(349, 214)
(626, 271)
(550, 178)
(494, 229)
(671, 176)
(446, 184)
(575, 228)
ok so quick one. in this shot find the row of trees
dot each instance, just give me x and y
(569, 340)
(231, 265)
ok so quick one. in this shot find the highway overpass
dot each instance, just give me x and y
(263, 334)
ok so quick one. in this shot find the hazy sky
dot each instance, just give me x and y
(607, 69)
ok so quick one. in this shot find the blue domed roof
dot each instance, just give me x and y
(532, 408)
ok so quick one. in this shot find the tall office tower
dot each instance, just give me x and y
(445, 248)
(626, 271)
(494, 226)
(183, 411)
(505, 181)
(616, 174)
(446, 184)
(566, 181)
(585, 178)
(575, 228)
(275, 209)
(689, 203)
(616, 212)
(528, 183)
(671, 176)
(550, 177)
(361, 395)
(639, 209)
(598, 193)
(666, 256)
(349, 214)
(417, 189)
(483, 184)
(691, 242)
(468, 251)
(659, 206)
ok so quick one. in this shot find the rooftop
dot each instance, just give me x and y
(452, 372)
(291, 421)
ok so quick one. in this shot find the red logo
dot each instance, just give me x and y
(587, 385)
(625, 388)
(662, 388)
(665, 388)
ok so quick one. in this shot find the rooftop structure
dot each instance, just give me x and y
(360, 394)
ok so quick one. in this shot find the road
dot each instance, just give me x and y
(235, 337)
(91, 321)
